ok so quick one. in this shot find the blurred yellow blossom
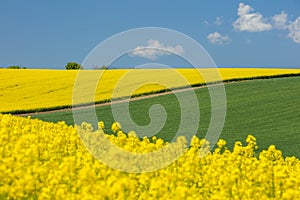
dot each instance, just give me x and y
(116, 127)
(42, 160)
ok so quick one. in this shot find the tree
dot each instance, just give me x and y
(73, 65)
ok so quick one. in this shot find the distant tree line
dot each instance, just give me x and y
(76, 66)
(69, 66)
(16, 67)
(101, 68)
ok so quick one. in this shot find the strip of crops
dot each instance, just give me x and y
(41, 90)
(42, 160)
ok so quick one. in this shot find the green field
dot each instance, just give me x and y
(269, 109)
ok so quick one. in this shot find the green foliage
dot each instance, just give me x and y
(73, 66)
(104, 67)
(16, 67)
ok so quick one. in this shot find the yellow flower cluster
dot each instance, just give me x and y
(33, 89)
(116, 126)
(42, 160)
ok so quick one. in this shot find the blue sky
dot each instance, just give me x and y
(48, 34)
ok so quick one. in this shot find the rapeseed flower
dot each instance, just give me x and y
(42, 160)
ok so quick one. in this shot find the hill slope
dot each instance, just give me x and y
(50, 89)
(269, 109)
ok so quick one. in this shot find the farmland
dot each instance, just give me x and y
(22, 90)
(47, 156)
(43, 160)
(268, 109)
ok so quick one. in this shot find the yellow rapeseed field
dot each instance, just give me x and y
(33, 89)
(42, 160)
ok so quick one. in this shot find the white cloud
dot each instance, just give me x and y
(294, 30)
(280, 21)
(244, 9)
(217, 38)
(250, 21)
(255, 22)
(218, 21)
(155, 48)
